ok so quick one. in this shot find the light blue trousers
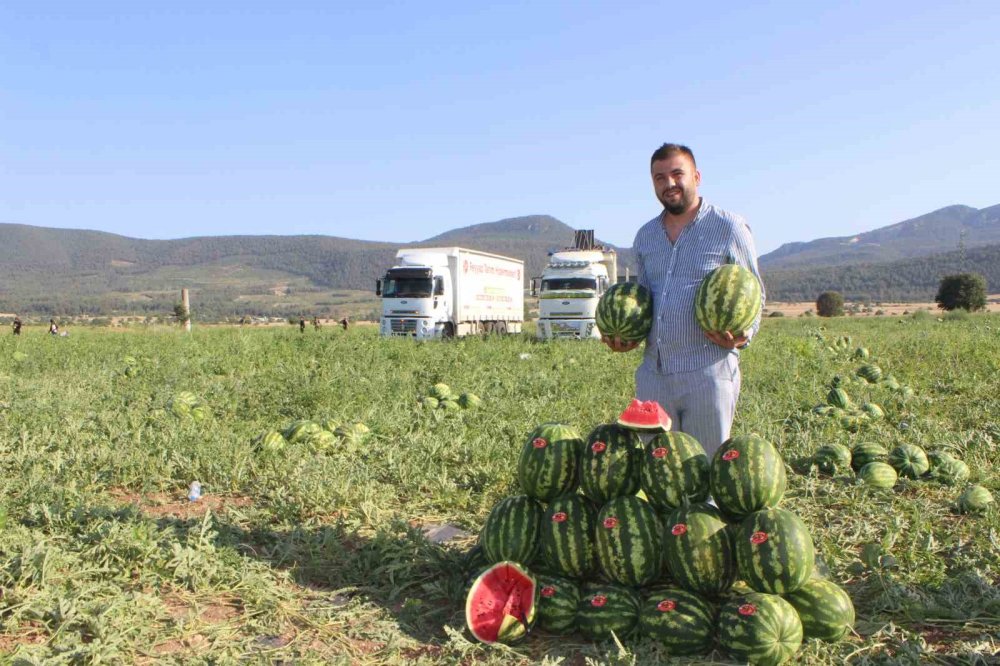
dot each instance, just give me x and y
(701, 403)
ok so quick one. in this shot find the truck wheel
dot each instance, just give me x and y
(449, 331)
(502, 327)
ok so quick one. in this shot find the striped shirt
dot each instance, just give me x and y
(672, 273)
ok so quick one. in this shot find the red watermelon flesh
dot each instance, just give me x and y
(500, 606)
(646, 416)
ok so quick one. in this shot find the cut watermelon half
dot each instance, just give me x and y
(500, 606)
(645, 416)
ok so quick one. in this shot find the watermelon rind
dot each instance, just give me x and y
(625, 311)
(501, 604)
(832, 459)
(511, 530)
(698, 549)
(747, 474)
(606, 609)
(549, 461)
(762, 629)
(645, 416)
(825, 609)
(774, 551)
(674, 470)
(950, 471)
(728, 299)
(975, 499)
(567, 536)
(629, 541)
(682, 621)
(878, 475)
(609, 463)
(909, 460)
(558, 603)
(865, 453)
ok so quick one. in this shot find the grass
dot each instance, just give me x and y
(322, 558)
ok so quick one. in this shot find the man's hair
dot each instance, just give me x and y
(669, 150)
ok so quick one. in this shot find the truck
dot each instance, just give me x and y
(444, 292)
(569, 288)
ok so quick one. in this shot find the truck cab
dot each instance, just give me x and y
(568, 291)
(415, 297)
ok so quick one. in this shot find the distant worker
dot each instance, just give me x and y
(343, 323)
(53, 327)
(302, 325)
(17, 326)
(316, 323)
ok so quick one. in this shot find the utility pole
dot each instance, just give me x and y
(186, 304)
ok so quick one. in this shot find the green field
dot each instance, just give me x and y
(306, 557)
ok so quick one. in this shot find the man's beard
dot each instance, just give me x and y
(681, 205)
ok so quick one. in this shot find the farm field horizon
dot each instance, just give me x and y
(326, 555)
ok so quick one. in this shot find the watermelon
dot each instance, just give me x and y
(864, 453)
(449, 405)
(698, 549)
(440, 391)
(837, 397)
(681, 621)
(762, 629)
(909, 460)
(774, 551)
(878, 475)
(854, 422)
(975, 499)
(825, 609)
(511, 530)
(567, 536)
(558, 602)
(501, 604)
(299, 432)
(747, 474)
(428, 402)
(548, 464)
(645, 416)
(183, 402)
(607, 608)
(935, 458)
(629, 539)
(674, 471)
(610, 462)
(832, 458)
(469, 400)
(951, 471)
(872, 410)
(322, 441)
(625, 311)
(728, 299)
(890, 383)
(271, 441)
(200, 412)
(869, 372)
(861, 353)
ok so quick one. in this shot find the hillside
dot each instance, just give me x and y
(943, 230)
(903, 280)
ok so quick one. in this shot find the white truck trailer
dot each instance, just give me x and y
(570, 287)
(451, 291)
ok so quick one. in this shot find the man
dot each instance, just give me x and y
(17, 326)
(693, 374)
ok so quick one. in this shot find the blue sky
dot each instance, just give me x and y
(397, 121)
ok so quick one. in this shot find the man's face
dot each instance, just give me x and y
(675, 181)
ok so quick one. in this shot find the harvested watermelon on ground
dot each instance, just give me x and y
(825, 609)
(774, 551)
(501, 604)
(567, 536)
(728, 299)
(558, 602)
(629, 541)
(681, 621)
(698, 549)
(610, 463)
(674, 471)
(549, 460)
(762, 629)
(747, 474)
(625, 311)
(645, 416)
(511, 531)
(606, 609)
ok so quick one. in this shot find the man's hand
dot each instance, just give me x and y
(727, 340)
(618, 345)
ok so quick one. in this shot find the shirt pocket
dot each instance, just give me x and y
(697, 265)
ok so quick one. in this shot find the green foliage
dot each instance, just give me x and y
(966, 291)
(830, 304)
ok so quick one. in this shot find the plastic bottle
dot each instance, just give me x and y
(194, 491)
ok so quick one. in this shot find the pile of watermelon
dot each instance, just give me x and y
(440, 396)
(613, 536)
(319, 436)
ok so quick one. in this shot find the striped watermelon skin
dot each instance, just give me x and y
(728, 299)
(909, 460)
(681, 621)
(870, 372)
(567, 536)
(747, 474)
(558, 602)
(951, 471)
(974, 499)
(762, 629)
(605, 608)
(837, 397)
(878, 475)
(832, 458)
(774, 551)
(626, 311)
(698, 548)
(864, 453)
(629, 541)
(549, 460)
(674, 470)
(825, 609)
(512, 529)
(610, 463)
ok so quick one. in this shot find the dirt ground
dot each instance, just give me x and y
(887, 309)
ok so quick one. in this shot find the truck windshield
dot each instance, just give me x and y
(406, 287)
(568, 284)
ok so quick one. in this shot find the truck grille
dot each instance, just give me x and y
(403, 326)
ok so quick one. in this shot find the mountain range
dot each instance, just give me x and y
(46, 271)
